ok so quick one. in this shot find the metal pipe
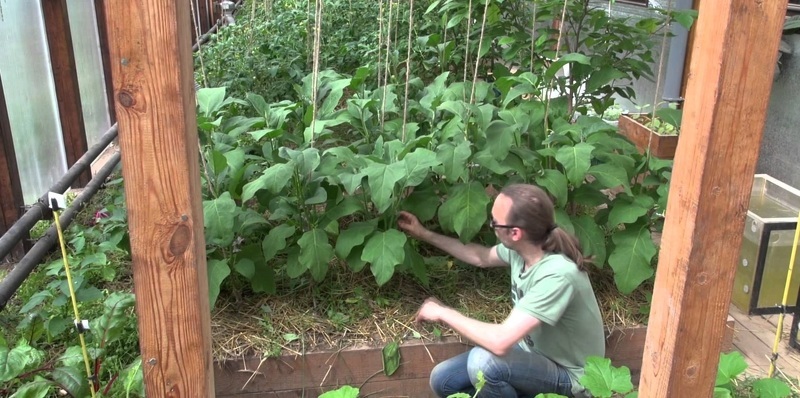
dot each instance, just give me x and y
(673, 81)
(40, 209)
(12, 281)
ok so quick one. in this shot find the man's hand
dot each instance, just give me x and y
(410, 223)
(430, 311)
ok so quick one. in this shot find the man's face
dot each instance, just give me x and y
(506, 233)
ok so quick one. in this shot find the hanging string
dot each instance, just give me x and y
(667, 24)
(380, 43)
(386, 64)
(466, 50)
(408, 65)
(315, 77)
(196, 23)
(478, 58)
(558, 48)
(533, 34)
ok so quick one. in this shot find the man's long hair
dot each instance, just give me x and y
(533, 212)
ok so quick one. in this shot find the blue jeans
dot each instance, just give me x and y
(518, 374)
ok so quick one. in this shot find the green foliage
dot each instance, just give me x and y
(604, 380)
(391, 358)
(343, 392)
(292, 184)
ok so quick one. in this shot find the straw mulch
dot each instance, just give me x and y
(350, 310)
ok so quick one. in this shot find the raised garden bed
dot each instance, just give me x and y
(661, 146)
(314, 373)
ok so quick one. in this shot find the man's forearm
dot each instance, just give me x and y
(470, 253)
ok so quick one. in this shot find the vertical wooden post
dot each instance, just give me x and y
(65, 77)
(10, 188)
(730, 80)
(155, 102)
(102, 36)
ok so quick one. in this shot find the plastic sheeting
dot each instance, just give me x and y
(30, 95)
(89, 64)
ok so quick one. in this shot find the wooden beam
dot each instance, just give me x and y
(11, 200)
(102, 35)
(728, 91)
(65, 77)
(155, 103)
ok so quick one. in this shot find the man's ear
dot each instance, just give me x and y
(516, 234)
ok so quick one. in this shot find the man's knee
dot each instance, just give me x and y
(494, 368)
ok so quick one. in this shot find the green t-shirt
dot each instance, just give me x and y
(559, 295)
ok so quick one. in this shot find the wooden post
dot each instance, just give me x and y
(65, 77)
(102, 36)
(155, 103)
(11, 200)
(728, 91)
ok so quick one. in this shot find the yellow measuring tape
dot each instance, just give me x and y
(78, 322)
(785, 299)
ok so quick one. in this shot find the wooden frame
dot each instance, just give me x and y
(11, 199)
(65, 77)
(715, 164)
(102, 34)
(316, 372)
(723, 123)
(155, 104)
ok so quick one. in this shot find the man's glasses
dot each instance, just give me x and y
(493, 224)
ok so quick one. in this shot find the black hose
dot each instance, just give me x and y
(40, 209)
(43, 246)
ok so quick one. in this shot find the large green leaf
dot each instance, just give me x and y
(315, 253)
(731, 365)
(274, 179)
(592, 238)
(72, 379)
(384, 251)
(336, 88)
(564, 221)
(21, 358)
(576, 161)
(633, 251)
(499, 138)
(553, 69)
(35, 389)
(382, 179)
(391, 358)
(423, 203)
(465, 210)
(219, 215)
(415, 263)
(454, 159)
(346, 207)
(611, 176)
(305, 161)
(245, 267)
(276, 240)
(771, 388)
(210, 100)
(418, 165)
(218, 270)
(603, 380)
(111, 325)
(353, 236)
(556, 184)
(263, 279)
(342, 392)
(73, 356)
(626, 211)
(603, 76)
(351, 181)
